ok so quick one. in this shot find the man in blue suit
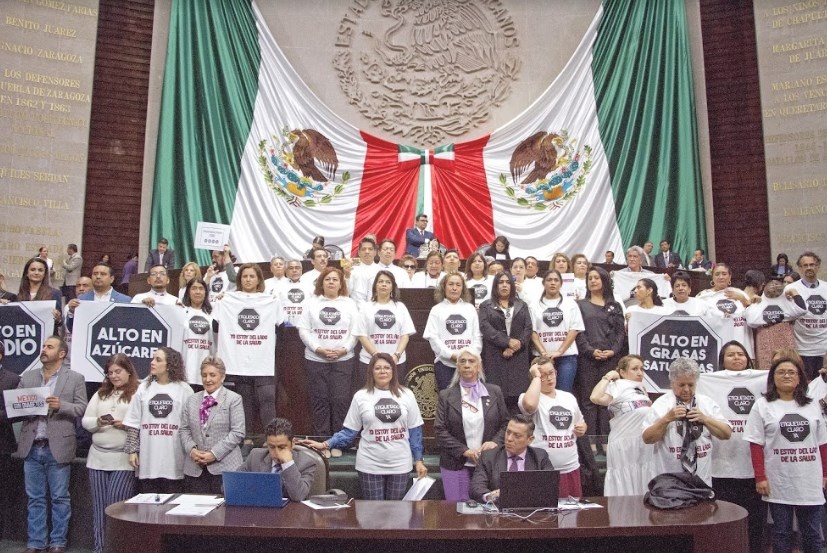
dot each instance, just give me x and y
(102, 278)
(415, 237)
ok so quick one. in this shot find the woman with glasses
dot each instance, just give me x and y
(505, 323)
(111, 477)
(558, 423)
(408, 262)
(629, 462)
(384, 324)
(387, 417)
(556, 321)
(470, 418)
(788, 443)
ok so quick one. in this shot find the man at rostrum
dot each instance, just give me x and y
(417, 236)
(296, 466)
(514, 455)
(47, 445)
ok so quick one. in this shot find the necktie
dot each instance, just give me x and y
(276, 468)
(204, 412)
(513, 467)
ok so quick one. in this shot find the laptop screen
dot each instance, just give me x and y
(529, 489)
(253, 489)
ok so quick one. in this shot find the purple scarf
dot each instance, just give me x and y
(475, 389)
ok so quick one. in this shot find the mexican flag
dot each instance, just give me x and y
(605, 158)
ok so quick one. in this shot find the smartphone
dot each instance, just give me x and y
(107, 418)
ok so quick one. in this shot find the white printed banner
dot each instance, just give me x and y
(22, 402)
(660, 339)
(23, 328)
(102, 329)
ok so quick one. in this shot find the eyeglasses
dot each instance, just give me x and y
(782, 374)
(158, 273)
(406, 266)
(470, 406)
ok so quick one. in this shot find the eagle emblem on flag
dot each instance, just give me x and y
(547, 170)
(300, 166)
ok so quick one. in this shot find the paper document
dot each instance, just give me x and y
(419, 489)
(197, 499)
(318, 507)
(191, 510)
(150, 499)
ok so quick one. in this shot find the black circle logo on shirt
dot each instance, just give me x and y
(217, 284)
(680, 312)
(816, 304)
(248, 319)
(160, 406)
(560, 417)
(387, 410)
(384, 319)
(480, 291)
(740, 400)
(456, 324)
(330, 316)
(726, 306)
(772, 315)
(295, 295)
(794, 427)
(199, 325)
(553, 317)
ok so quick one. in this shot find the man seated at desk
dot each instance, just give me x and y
(514, 456)
(296, 467)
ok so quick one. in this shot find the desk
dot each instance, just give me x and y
(626, 524)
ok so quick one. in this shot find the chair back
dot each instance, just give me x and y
(322, 478)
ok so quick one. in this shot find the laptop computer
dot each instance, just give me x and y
(253, 489)
(529, 490)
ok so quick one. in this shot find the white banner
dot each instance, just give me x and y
(102, 329)
(22, 402)
(625, 281)
(23, 328)
(660, 339)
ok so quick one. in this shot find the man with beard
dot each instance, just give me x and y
(811, 328)
(47, 445)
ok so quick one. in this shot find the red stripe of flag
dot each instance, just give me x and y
(463, 216)
(387, 195)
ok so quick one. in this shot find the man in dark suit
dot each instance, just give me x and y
(47, 445)
(417, 236)
(296, 467)
(515, 455)
(666, 257)
(103, 276)
(160, 256)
